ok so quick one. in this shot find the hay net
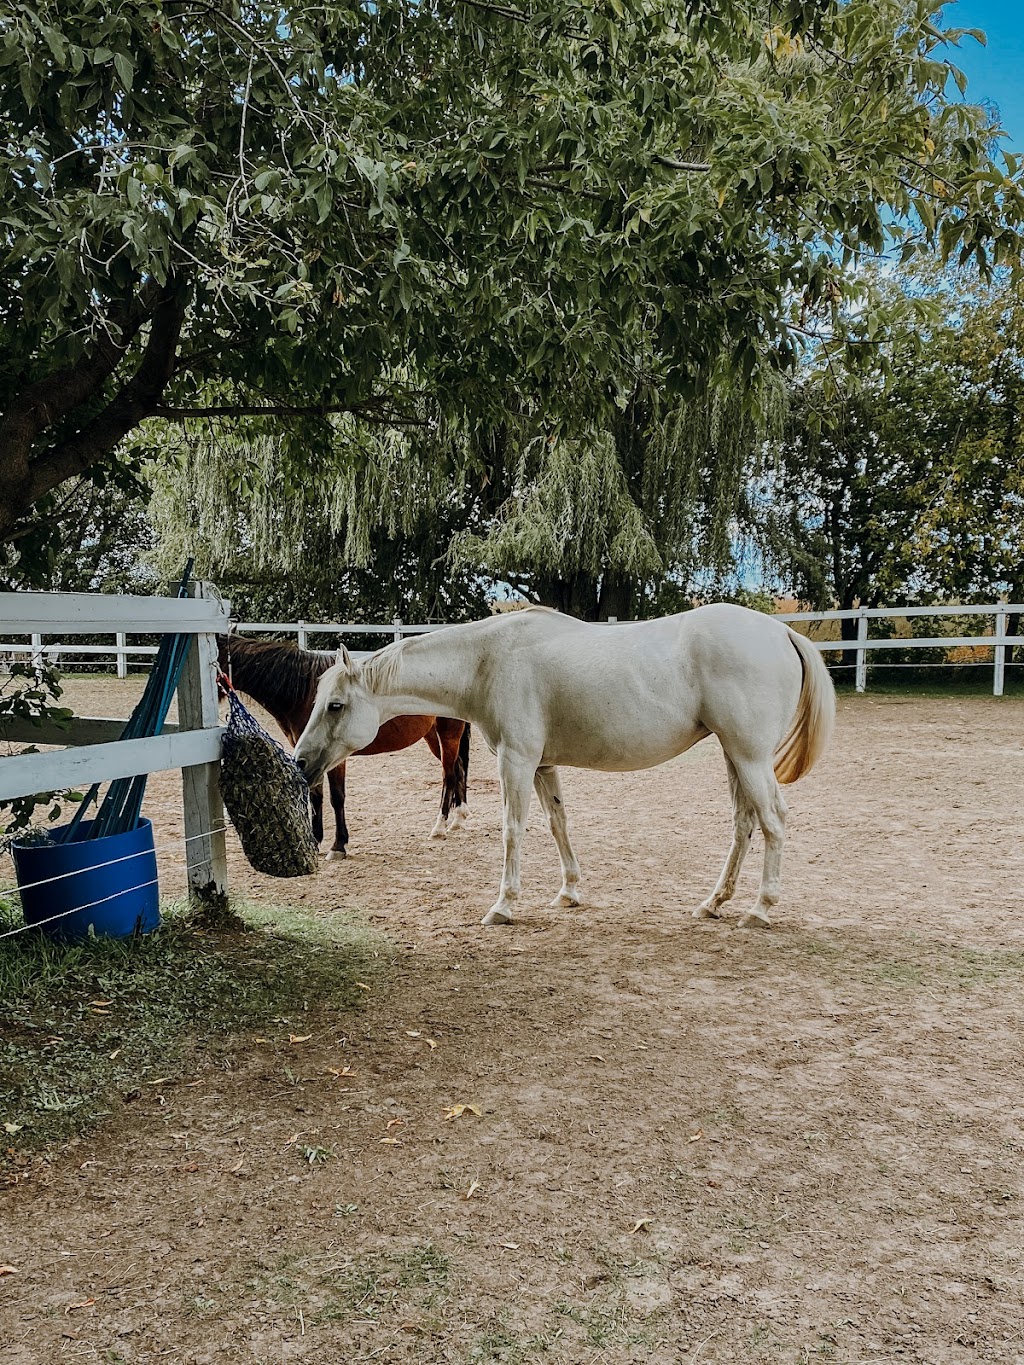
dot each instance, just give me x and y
(267, 798)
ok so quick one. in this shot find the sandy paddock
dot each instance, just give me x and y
(695, 1143)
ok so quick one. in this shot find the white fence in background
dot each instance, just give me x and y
(94, 753)
(122, 652)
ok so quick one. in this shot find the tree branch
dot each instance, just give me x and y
(134, 401)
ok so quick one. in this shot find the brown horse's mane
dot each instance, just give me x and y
(278, 674)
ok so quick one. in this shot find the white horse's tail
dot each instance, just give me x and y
(814, 718)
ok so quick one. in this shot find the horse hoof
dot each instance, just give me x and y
(457, 819)
(565, 899)
(707, 911)
(496, 916)
(753, 919)
(436, 835)
(335, 855)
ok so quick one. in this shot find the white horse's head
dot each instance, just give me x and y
(345, 718)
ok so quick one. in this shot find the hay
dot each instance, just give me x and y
(267, 798)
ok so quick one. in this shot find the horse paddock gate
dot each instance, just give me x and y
(95, 752)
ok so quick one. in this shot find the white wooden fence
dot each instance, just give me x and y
(122, 652)
(95, 754)
(998, 641)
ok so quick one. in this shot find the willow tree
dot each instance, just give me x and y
(298, 210)
(359, 536)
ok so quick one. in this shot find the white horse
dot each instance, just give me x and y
(545, 689)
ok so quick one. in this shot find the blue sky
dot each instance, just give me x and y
(995, 73)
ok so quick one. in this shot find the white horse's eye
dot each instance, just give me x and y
(335, 706)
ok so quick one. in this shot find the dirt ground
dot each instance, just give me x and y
(694, 1143)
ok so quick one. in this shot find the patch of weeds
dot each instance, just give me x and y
(897, 972)
(379, 1284)
(84, 1025)
(610, 1323)
(505, 1347)
(965, 968)
(978, 967)
(316, 1156)
(199, 1307)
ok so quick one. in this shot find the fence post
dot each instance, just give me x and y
(999, 652)
(613, 620)
(397, 623)
(38, 659)
(122, 653)
(861, 671)
(198, 708)
(303, 637)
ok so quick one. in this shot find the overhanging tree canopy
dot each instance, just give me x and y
(298, 209)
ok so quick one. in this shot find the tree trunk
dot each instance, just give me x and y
(618, 597)
(35, 457)
(848, 628)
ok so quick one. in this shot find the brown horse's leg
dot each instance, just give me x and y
(336, 784)
(453, 795)
(441, 823)
(316, 801)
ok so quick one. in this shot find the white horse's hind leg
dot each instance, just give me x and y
(763, 792)
(742, 832)
(515, 775)
(548, 787)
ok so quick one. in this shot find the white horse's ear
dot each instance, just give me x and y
(344, 657)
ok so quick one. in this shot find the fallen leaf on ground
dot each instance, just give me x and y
(341, 1071)
(472, 1189)
(237, 1166)
(391, 1142)
(261, 1040)
(101, 1003)
(696, 1137)
(116, 1053)
(73, 1307)
(160, 1080)
(509, 1246)
(640, 1223)
(431, 1043)
(362, 985)
(395, 1123)
(13, 1128)
(413, 1033)
(8, 1270)
(595, 1057)
(456, 1111)
(299, 1037)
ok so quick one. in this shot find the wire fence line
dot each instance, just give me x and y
(176, 844)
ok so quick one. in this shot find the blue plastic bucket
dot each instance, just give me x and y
(107, 886)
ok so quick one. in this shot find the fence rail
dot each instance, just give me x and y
(94, 752)
(123, 653)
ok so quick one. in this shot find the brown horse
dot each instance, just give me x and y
(281, 677)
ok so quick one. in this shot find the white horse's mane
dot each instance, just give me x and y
(381, 670)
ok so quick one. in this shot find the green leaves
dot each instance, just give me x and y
(480, 198)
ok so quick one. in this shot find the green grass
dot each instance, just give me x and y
(954, 681)
(85, 1025)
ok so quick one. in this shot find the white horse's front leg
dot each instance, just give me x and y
(548, 787)
(515, 775)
